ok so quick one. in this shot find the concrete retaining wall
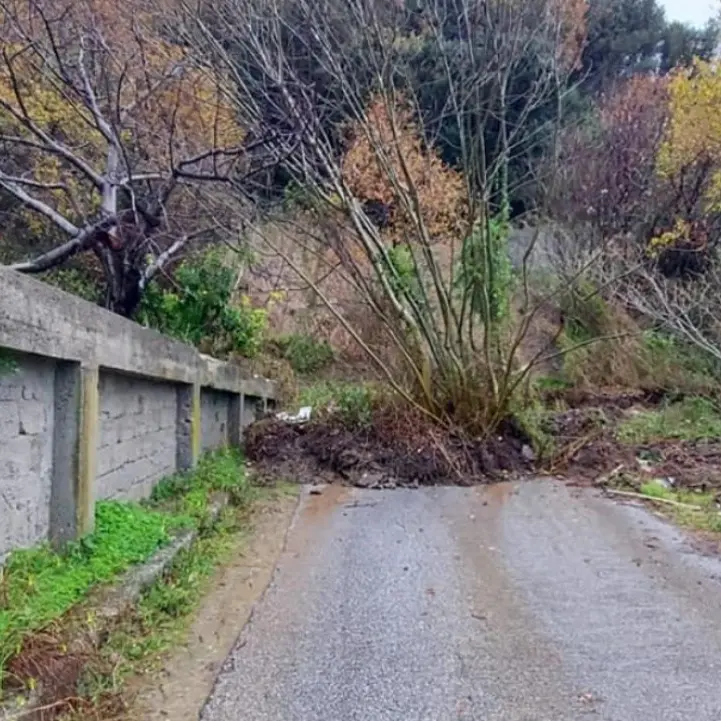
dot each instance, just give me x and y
(99, 407)
(26, 452)
(137, 444)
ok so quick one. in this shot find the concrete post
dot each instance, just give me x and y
(75, 443)
(196, 427)
(188, 427)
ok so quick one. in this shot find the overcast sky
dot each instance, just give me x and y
(696, 12)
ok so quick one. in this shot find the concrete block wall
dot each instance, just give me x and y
(99, 407)
(214, 413)
(137, 441)
(26, 452)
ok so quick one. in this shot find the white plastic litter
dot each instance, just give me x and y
(302, 416)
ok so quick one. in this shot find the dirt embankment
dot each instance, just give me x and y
(588, 446)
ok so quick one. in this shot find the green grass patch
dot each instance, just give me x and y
(162, 615)
(656, 489)
(39, 585)
(353, 402)
(678, 366)
(691, 419)
(161, 619)
(188, 494)
(550, 384)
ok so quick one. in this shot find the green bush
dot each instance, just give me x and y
(484, 273)
(678, 364)
(298, 197)
(586, 314)
(76, 281)
(353, 402)
(305, 354)
(188, 493)
(199, 309)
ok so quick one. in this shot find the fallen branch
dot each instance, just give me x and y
(568, 451)
(667, 501)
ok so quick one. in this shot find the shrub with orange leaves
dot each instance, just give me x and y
(387, 161)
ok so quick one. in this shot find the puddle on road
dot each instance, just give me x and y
(321, 505)
(496, 494)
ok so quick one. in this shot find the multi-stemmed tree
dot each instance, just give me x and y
(363, 135)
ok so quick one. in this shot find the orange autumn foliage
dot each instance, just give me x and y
(387, 150)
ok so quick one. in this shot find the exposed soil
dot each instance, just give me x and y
(55, 661)
(587, 447)
(394, 451)
(694, 465)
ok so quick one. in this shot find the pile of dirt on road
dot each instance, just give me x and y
(402, 448)
(587, 447)
(392, 451)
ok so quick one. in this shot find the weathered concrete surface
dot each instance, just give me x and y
(38, 318)
(532, 603)
(215, 415)
(26, 453)
(99, 407)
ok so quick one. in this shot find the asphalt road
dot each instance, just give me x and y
(534, 602)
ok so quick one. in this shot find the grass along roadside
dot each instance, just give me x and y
(39, 585)
(137, 645)
(688, 508)
(41, 589)
(693, 418)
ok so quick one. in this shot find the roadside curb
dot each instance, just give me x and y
(121, 596)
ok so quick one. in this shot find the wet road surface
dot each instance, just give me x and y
(527, 602)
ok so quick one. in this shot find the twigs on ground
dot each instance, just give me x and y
(654, 499)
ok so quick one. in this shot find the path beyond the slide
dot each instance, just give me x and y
(531, 602)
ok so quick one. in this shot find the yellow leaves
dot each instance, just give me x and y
(160, 103)
(192, 111)
(681, 231)
(693, 133)
(29, 88)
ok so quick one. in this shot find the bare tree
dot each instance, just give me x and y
(112, 135)
(687, 308)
